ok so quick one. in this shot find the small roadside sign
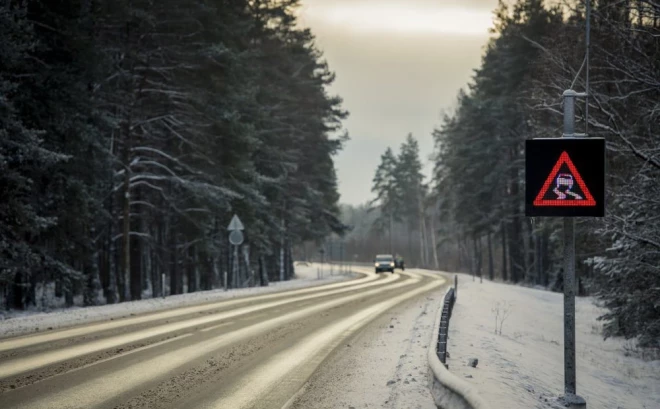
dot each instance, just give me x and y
(235, 224)
(236, 237)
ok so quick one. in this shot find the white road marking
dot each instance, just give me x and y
(29, 340)
(133, 377)
(224, 324)
(285, 366)
(21, 365)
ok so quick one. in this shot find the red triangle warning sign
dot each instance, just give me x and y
(563, 189)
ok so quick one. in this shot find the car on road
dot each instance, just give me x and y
(384, 262)
(398, 263)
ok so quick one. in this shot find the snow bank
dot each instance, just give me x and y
(448, 390)
(524, 368)
(13, 323)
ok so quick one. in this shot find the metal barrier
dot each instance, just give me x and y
(447, 307)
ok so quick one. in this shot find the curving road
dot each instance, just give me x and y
(252, 352)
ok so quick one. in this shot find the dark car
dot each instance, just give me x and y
(384, 262)
(398, 263)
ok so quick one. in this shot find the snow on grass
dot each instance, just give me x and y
(524, 366)
(14, 323)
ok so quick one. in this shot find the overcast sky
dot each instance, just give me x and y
(399, 64)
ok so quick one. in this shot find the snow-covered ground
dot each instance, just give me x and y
(13, 323)
(523, 367)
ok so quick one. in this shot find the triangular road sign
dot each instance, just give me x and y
(235, 224)
(560, 189)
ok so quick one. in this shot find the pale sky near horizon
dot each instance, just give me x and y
(399, 65)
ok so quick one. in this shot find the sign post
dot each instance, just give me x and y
(236, 239)
(565, 177)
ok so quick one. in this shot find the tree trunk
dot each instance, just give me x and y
(537, 258)
(545, 240)
(93, 284)
(156, 262)
(135, 260)
(215, 265)
(480, 257)
(15, 297)
(31, 290)
(176, 284)
(264, 272)
(289, 264)
(529, 246)
(422, 249)
(475, 257)
(117, 273)
(505, 272)
(190, 270)
(58, 287)
(68, 294)
(104, 269)
(108, 265)
(410, 250)
(207, 274)
(434, 242)
(147, 269)
(461, 261)
(471, 255)
(515, 253)
(126, 223)
(422, 228)
(491, 268)
(391, 232)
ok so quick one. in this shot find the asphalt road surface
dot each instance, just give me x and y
(252, 352)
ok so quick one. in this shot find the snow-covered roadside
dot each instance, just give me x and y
(523, 367)
(382, 366)
(14, 323)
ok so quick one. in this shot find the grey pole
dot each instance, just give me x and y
(235, 277)
(282, 253)
(570, 385)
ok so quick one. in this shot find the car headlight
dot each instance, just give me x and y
(376, 264)
(391, 264)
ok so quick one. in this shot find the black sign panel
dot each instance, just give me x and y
(565, 177)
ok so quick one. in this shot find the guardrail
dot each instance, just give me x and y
(447, 307)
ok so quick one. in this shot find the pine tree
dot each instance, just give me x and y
(23, 161)
(409, 185)
(162, 121)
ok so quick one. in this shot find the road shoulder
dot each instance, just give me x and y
(522, 366)
(383, 366)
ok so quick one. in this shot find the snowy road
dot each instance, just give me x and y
(252, 352)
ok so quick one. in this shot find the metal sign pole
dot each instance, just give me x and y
(235, 239)
(235, 278)
(570, 385)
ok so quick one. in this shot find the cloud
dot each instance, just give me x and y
(399, 17)
(393, 79)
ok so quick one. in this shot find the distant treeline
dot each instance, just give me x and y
(131, 132)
